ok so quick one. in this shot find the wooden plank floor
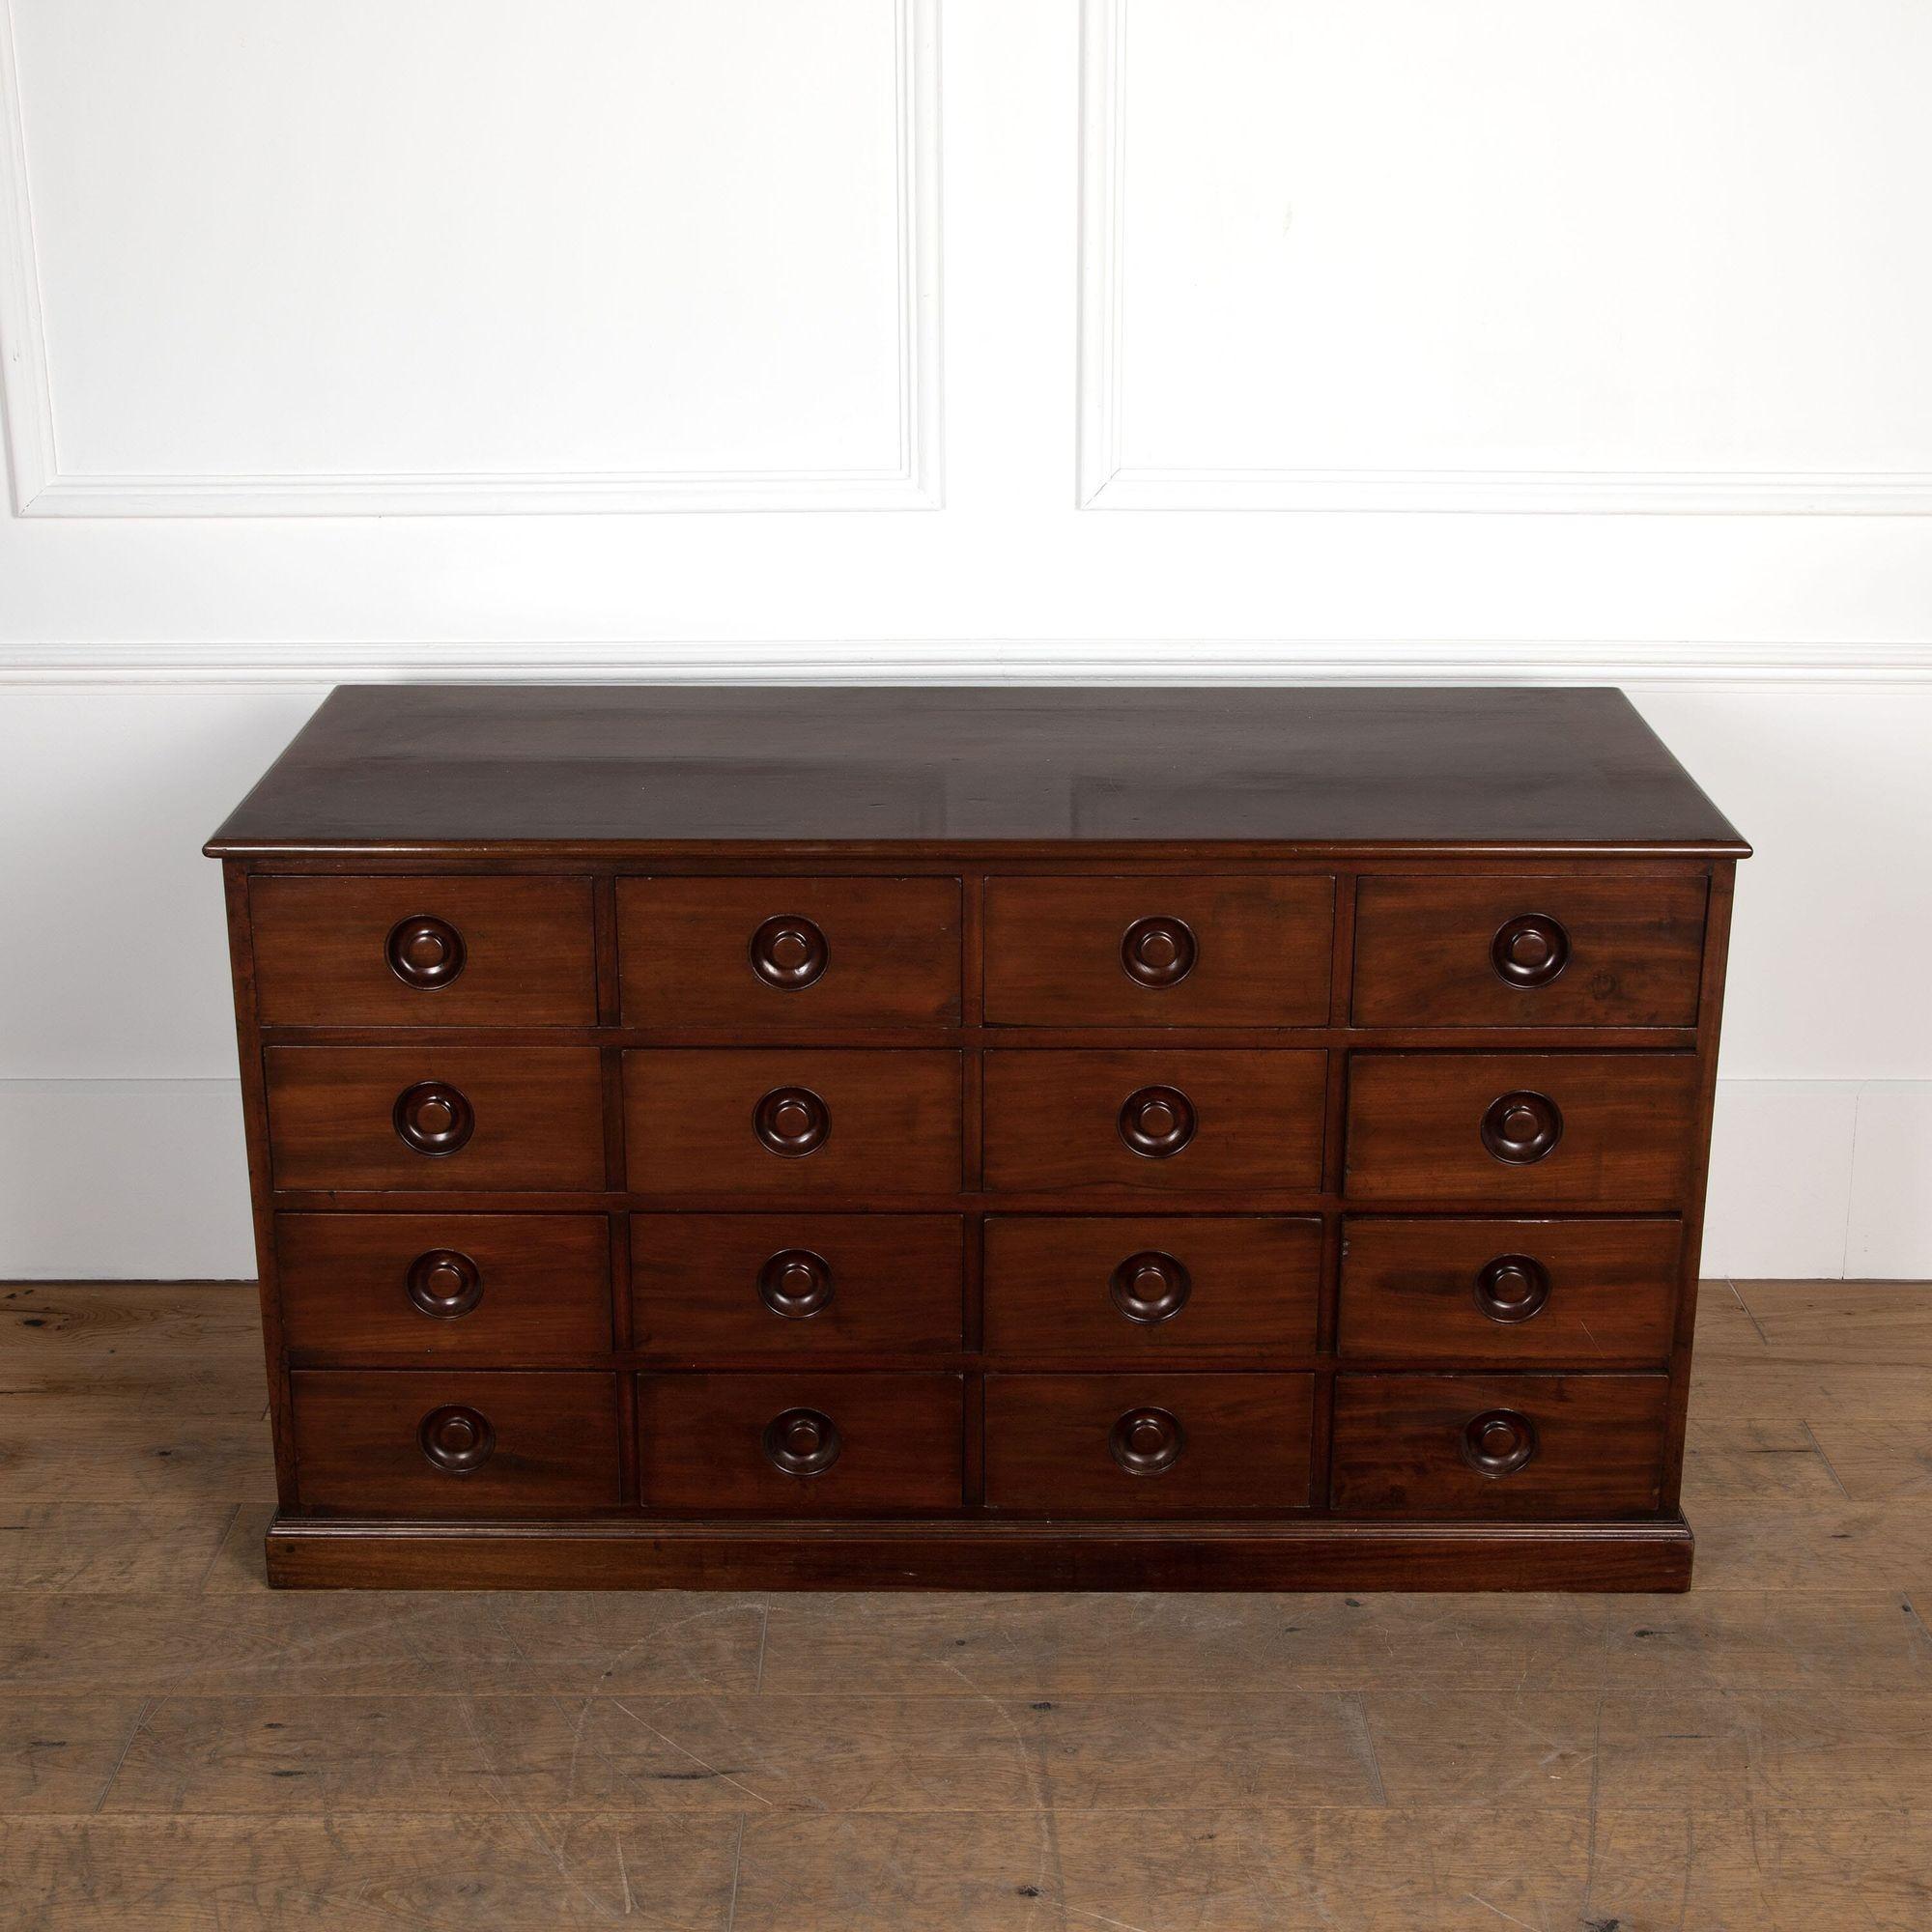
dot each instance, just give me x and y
(181, 1747)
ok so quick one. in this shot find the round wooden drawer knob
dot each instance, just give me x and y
(1157, 1122)
(1151, 1287)
(425, 951)
(1147, 1441)
(457, 1439)
(1530, 951)
(789, 953)
(791, 1120)
(1520, 1128)
(1498, 1442)
(802, 1442)
(444, 1283)
(1512, 1287)
(1157, 952)
(432, 1118)
(795, 1283)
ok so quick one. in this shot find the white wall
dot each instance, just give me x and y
(1267, 339)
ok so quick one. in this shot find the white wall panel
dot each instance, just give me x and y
(114, 929)
(1833, 913)
(364, 256)
(1889, 1225)
(1780, 1183)
(123, 1181)
(1506, 253)
(405, 169)
(1011, 559)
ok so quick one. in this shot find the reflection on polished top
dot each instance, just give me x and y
(647, 765)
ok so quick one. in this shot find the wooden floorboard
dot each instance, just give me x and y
(181, 1747)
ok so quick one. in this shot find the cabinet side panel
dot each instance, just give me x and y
(255, 1115)
(1710, 1012)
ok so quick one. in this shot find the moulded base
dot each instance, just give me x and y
(374, 1554)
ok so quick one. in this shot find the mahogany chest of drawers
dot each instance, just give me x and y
(1004, 1138)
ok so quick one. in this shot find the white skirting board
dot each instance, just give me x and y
(1812, 1180)
(147, 1179)
(123, 1181)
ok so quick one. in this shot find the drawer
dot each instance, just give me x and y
(796, 1285)
(797, 1123)
(1438, 1291)
(1150, 1289)
(1153, 1443)
(473, 1287)
(1520, 950)
(423, 952)
(1168, 951)
(455, 1442)
(799, 1445)
(775, 954)
(1550, 1129)
(1499, 1445)
(436, 1117)
(1198, 1120)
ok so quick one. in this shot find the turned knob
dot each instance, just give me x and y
(1512, 1287)
(457, 1439)
(791, 1120)
(432, 1118)
(1520, 1128)
(1151, 1287)
(1157, 1122)
(788, 951)
(1530, 951)
(1498, 1442)
(1157, 952)
(795, 1283)
(802, 1442)
(1147, 1441)
(425, 951)
(444, 1283)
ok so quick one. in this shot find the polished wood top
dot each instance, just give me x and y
(501, 768)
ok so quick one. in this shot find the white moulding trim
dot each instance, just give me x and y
(971, 660)
(23, 350)
(914, 482)
(1105, 481)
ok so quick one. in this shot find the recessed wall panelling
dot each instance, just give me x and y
(1506, 255)
(469, 255)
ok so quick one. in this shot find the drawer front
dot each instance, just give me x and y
(1438, 1291)
(434, 1117)
(1498, 1445)
(1159, 952)
(1555, 1129)
(1534, 952)
(1153, 1443)
(423, 953)
(778, 954)
(805, 1444)
(796, 1285)
(1150, 1289)
(471, 1288)
(1198, 1121)
(792, 1122)
(455, 1442)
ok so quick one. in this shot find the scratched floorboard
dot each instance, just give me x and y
(181, 1748)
